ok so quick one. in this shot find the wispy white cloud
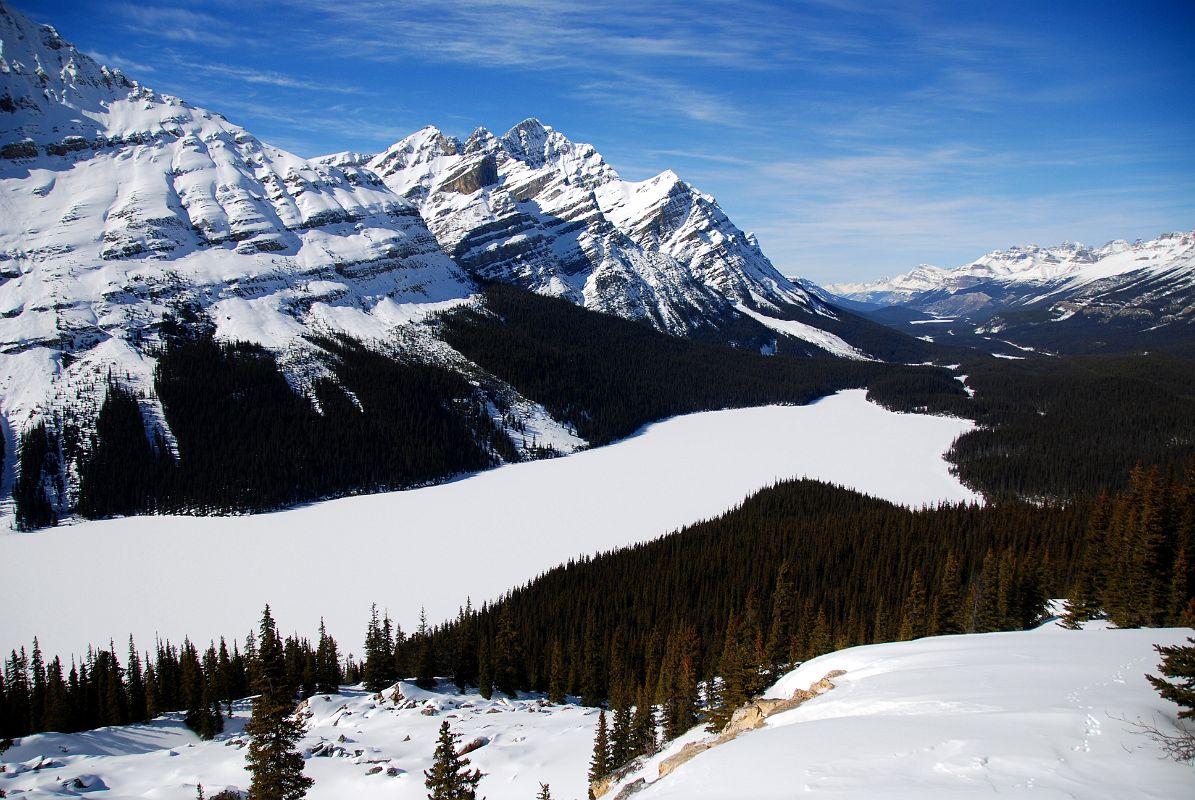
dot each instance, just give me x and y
(173, 23)
(270, 78)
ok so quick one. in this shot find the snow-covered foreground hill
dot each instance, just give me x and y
(1048, 711)
(479, 536)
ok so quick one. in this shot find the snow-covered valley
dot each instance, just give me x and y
(1050, 712)
(432, 547)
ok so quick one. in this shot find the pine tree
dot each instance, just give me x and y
(327, 663)
(507, 654)
(464, 651)
(780, 629)
(912, 623)
(425, 669)
(485, 672)
(276, 768)
(378, 659)
(948, 604)
(1178, 661)
(545, 792)
(820, 641)
(680, 687)
(556, 676)
(600, 764)
(448, 778)
(986, 601)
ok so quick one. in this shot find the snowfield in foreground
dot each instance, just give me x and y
(478, 536)
(1050, 711)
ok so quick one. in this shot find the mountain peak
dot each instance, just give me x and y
(532, 142)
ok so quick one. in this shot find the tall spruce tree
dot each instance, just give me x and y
(275, 767)
(600, 763)
(449, 778)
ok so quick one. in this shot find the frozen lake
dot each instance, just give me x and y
(432, 547)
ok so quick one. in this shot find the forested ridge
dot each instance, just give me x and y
(1053, 429)
(609, 377)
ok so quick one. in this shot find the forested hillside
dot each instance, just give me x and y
(1061, 428)
(609, 377)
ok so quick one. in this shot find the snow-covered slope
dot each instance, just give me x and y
(1049, 713)
(118, 204)
(357, 744)
(533, 208)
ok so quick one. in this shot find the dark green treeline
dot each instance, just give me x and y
(98, 690)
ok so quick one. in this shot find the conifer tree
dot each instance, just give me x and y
(375, 670)
(556, 674)
(449, 778)
(1178, 661)
(425, 677)
(327, 663)
(948, 604)
(464, 650)
(485, 672)
(643, 726)
(593, 687)
(780, 629)
(820, 641)
(912, 623)
(276, 768)
(986, 602)
(600, 763)
(545, 792)
(507, 654)
(680, 687)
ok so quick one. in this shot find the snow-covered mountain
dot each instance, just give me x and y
(118, 204)
(535, 209)
(1072, 277)
(1065, 299)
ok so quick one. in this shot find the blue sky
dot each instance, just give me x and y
(857, 138)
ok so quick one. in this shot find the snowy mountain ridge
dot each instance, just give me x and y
(1064, 267)
(533, 208)
(121, 205)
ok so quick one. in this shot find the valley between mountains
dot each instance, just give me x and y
(320, 475)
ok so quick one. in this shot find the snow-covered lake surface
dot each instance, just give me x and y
(1047, 713)
(479, 536)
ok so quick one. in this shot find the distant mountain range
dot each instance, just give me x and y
(1068, 298)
